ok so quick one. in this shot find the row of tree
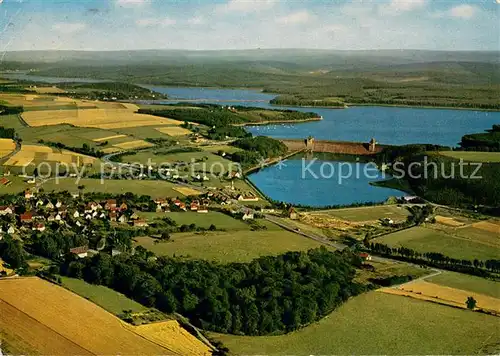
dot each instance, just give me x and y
(436, 259)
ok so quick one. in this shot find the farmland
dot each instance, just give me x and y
(377, 323)
(370, 213)
(7, 146)
(444, 295)
(28, 326)
(471, 156)
(37, 154)
(157, 189)
(452, 243)
(222, 221)
(99, 118)
(104, 297)
(227, 247)
(466, 282)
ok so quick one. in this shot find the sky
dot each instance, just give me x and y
(246, 24)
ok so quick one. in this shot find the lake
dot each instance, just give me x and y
(388, 125)
(320, 183)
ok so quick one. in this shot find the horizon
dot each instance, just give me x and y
(198, 25)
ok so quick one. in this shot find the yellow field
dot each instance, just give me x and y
(48, 90)
(99, 118)
(30, 100)
(448, 221)
(133, 144)
(489, 226)
(110, 150)
(29, 153)
(187, 191)
(6, 146)
(173, 130)
(130, 106)
(5, 269)
(163, 333)
(108, 138)
(444, 295)
(74, 325)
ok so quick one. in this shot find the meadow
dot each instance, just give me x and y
(104, 297)
(226, 247)
(370, 213)
(157, 189)
(378, 323)
(427, 239)
(220, 220)
(471, 156)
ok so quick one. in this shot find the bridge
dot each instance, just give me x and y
(342, 147)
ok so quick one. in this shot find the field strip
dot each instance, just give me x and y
(133, 144)
(444, 295)
(108, 138)
(173, 130)
(186, 191)
(16, 318)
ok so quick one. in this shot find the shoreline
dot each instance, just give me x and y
(261, 123)
(350, 105)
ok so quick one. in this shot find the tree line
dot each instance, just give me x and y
(436, 259)
(272, 294)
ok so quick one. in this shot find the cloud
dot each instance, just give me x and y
(196, 20)
(245, 6)
(396, 7)
(69, 27)
(131, 3)
(295, 18)
(152, 22)
(463, 11)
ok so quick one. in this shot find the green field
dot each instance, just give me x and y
(105, 297)
(472, 156)
(220, 220)
(211, 163)
(425, 239)
(157, 189)
(370, 213)
(241, 246)
(466, 282)
(377, 323)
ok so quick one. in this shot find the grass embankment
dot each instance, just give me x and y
(377, 323)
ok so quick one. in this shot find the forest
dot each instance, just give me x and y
(444, 180)
(256, 148)
(485, 142)
(272, 294)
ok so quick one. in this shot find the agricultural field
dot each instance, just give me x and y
(109, 118)
(72, 324)
(471, 156)
(7, 146)
(187, 191)
(201, 161)
(389, 268)
(104, 297)
(227, 247)
(466, 282)
(217, 148)
(131, 145)
(47, 90)
(174, 131)
(33, 154)
(367, 324)
(220, 220)
(370, 213)
(444, 295)
(454, 243)
(157, 189)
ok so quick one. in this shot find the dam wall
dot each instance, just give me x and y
(341, 147)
